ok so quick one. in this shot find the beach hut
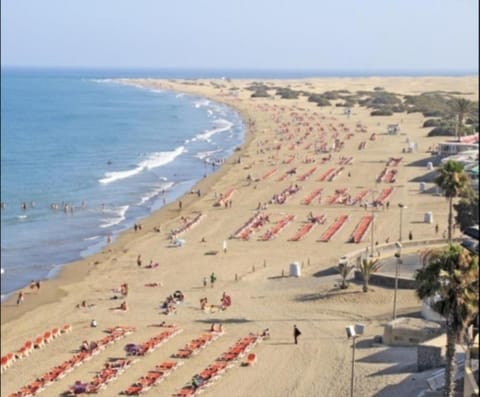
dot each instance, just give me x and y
(295, 270)
(428, 217)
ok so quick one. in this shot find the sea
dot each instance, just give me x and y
(84, 157)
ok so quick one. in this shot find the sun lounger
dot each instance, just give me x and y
(333, 228)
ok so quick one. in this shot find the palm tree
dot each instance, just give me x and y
(460, 107)
(344, 268)
(449, 277)
(367, 267)
(453, 180)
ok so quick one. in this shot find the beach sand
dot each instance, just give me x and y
(250, 271)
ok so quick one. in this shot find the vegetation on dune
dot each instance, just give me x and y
(319, 99)
(260, 90)
(460, 107)
(287, 93)
(448, 115)
(429, 104)
(382, 112)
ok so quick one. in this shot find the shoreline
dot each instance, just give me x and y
(76, 271)
(251, 272)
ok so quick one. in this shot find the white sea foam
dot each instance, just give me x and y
(202, 102)
(92, 238)
(204, 155)
(118, 215)
(224, 125)
(153, 161)
(163, 187)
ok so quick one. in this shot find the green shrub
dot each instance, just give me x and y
(287, 93)
(442, 131)
(260, 93)
(432, 123)
(434, 113)
(398, 109)
(382, 112)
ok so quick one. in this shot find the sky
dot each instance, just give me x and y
(368, 35)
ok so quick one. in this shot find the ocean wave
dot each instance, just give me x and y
(153, 161)
(163, 187)
(207, 154)
(201, 103)
(91, 238)
(224, 125)
(104, 81)
(118, 216)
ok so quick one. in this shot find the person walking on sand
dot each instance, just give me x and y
(20, 298)
(204, 282)
(296, 334)
(139, 260)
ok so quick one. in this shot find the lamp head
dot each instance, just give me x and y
(350, 331)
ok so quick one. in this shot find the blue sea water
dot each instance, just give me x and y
(111, 152)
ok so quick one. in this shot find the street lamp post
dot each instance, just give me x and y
(402, 207)
(373, 221)
(354, 332)
(398, 261)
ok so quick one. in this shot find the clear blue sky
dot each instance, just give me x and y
(238, 34)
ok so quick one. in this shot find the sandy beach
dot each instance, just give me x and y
(281, 135)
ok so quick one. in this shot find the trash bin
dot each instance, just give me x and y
(295, 269)
(430, 166)
(422, 187)
(428, 217)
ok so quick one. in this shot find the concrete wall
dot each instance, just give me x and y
(385, 280)
(431, 354)
(407, 331)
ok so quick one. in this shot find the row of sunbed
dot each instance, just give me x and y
(30, 345)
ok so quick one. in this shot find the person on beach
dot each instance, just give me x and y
(85, 346)
(20, 298)
(436, 228)
(37, 284)
(139, 260)
(213, 278)
(296, 334)
(204, 282)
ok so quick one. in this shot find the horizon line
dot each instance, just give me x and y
(239, 69)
